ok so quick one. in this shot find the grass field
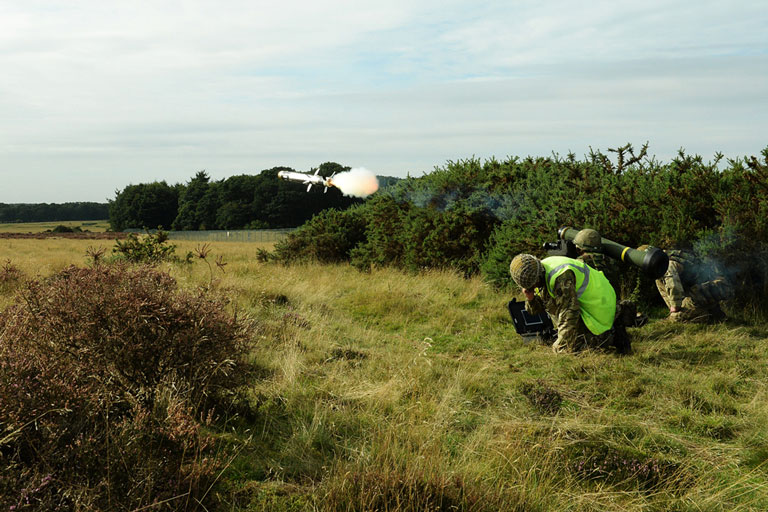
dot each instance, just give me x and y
(395, 391)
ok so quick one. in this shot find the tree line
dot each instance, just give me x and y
(244, 201)
(45, 212)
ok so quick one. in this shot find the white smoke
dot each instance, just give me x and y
(357, 182)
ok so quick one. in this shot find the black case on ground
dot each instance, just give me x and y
(531, 327)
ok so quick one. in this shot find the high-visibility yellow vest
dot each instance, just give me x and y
(597, 299)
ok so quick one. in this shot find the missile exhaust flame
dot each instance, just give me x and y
(357, 182)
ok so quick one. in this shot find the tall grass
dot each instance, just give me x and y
(399, 391)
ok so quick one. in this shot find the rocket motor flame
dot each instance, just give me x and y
(357, 182)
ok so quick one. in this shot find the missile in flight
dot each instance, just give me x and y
(307, 179)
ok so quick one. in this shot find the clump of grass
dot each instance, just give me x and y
(384, 489)
(346, 354)
(598, 461)
(543, 398)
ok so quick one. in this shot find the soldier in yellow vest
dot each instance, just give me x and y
(580, 300)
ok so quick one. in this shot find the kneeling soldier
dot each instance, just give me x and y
(580, 300)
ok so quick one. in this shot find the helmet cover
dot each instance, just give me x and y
(526, 270)
(588, 240)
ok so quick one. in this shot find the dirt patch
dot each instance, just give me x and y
(100, 235)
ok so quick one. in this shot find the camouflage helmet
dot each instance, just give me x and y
(526, 270)
(588, 240)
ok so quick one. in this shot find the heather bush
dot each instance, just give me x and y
(622, 466)
(542, 397)
(108, 378)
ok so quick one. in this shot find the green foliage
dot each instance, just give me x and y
(144, 205)
(45, 212)
(243, 201)
(327, 238)
(198, 203)
(149, 248)
(107, 376)
(475, 216)
(66, 229)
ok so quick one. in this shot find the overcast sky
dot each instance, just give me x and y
(96, 94)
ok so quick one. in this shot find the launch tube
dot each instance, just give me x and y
(653, 261)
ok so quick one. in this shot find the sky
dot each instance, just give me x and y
(97, 95)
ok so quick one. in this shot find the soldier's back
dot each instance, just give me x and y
(604, 264)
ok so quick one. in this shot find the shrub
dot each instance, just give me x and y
(107, 377)
(475, 216)
(328, 237)
(418, 238)
(10, 277)
(61, 228)
(149, 248)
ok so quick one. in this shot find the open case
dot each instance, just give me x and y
(531, 327)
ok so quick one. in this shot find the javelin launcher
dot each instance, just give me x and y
(307, 179)
(653, 261)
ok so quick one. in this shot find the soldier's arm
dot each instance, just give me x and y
(568, 310)
(535, 306)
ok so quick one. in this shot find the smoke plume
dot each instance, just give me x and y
(357, 182)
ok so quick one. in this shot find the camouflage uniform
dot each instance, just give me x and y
(589, 244)
(604, 264)
(693, 288)
(572, 334)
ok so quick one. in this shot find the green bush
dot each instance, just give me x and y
(107, 379)
(328, 238)
(476, 216)
(149, 248)
(61, 228)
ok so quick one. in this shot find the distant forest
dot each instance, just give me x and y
(244, 201)
(44, 212)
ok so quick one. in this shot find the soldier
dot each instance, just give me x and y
(589, 244)
(692, 289)
(581, 302)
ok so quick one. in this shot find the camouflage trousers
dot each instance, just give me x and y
(702, 304)
(584, 340)
(616, 337)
